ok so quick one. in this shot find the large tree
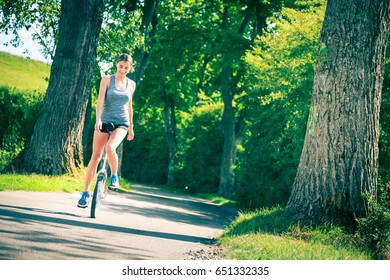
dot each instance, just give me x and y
(56, 143)
(338, 164)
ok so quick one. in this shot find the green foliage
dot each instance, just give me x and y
(145, 159)
(200, 150)
(119, 36)
(19, 113)
(41, 18)
(279, 80)
(20, 102)
(375, 228)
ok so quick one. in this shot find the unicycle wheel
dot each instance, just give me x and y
(97, 195)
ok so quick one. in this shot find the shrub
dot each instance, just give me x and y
(145, 159)
(19, 111)
(201, 143)
(375, 228)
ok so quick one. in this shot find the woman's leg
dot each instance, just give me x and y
(116, 138)
(99, 140)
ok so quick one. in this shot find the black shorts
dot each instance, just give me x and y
(104, 128)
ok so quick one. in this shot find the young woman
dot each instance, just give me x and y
(114, 105)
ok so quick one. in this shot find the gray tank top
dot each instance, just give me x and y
(115, 108)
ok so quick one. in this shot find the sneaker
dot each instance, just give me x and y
(84, 200)
(114, 183)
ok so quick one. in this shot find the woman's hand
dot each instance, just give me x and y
(130, 135)
(98, 126)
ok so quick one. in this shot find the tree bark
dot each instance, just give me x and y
(56, 143)
(227, 175)
(338, 165)
(170, 131)
(170, 128)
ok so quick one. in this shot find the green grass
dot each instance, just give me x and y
(22, 73)
(45, 183)
(40, 183)
(273, 247)
(219, 200)
(214, 198)
(263, 235)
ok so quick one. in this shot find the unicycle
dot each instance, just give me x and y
(100, 190)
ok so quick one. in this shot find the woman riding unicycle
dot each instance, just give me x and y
(114, 105)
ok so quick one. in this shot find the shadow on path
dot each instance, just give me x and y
(173, 207)
(6, 213)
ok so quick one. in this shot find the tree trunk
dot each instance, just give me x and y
(170, 131)
(227, 176)
(148, 29)
(232, 129)
(338, 165)
(56, 143)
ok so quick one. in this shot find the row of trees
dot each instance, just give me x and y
(223, 97)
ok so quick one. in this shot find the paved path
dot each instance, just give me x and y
(148, 223)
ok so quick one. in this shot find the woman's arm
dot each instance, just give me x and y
(130, 135)
(104, 84)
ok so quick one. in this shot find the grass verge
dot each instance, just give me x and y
(219, 200)
(46, 183)
(263, 235)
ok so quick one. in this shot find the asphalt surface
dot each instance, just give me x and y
(145, 224)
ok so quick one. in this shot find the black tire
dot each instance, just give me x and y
(96, 198)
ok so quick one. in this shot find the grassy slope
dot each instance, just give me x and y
(23, 73)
